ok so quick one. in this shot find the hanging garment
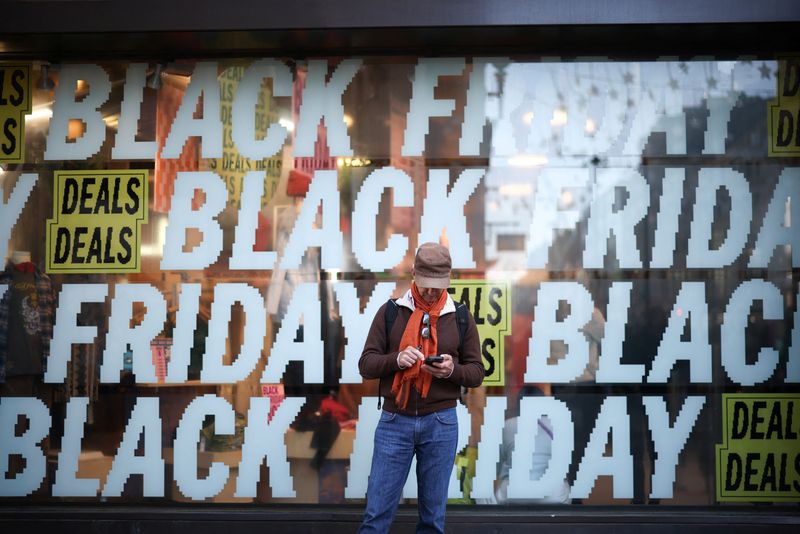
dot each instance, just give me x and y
(27, 313)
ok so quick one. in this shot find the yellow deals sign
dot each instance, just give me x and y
(232, 166)
(759, 459)
(97, 219)
(490, 304)
(15, 103)
(784, 111)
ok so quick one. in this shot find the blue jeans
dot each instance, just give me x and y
(398, 438)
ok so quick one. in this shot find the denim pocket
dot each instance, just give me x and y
(387, 417)
(447, 417)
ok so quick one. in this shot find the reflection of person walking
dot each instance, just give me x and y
(419, 414)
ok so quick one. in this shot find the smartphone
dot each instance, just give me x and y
(433, 359)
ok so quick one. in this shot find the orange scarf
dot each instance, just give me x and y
(401, 387)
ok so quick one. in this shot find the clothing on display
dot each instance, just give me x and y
(27, 313)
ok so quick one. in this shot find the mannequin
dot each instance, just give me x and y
(284, 282)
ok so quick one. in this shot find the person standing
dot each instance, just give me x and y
(419, 410)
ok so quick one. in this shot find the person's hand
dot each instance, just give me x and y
(408, 357)
(442, 369)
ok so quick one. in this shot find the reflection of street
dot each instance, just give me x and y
(573, 117)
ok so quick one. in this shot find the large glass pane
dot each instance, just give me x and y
(196, 251)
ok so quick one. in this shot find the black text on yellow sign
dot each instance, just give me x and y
(490, 304)
(759, 459)
(97, 219)
(15, 103)
(784, 111)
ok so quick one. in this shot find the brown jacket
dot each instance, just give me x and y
(468, 368)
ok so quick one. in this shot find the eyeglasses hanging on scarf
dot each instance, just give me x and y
(425, 334)
(426, 326)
